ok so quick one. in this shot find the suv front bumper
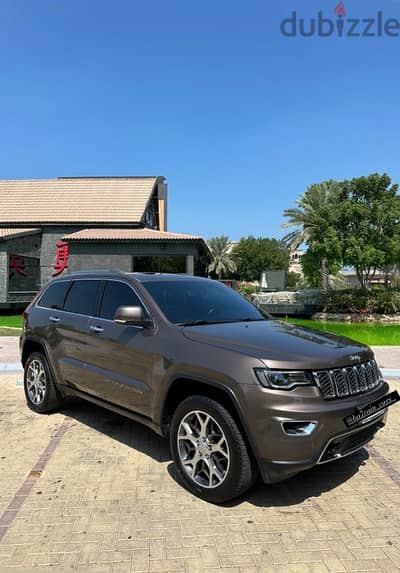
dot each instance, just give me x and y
(279, 455)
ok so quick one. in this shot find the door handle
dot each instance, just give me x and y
(54, 318)
(96, 329)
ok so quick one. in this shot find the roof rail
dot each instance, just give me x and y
(95, 271)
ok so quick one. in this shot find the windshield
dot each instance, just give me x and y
(201, 302)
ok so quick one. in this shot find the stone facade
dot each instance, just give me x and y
(83, 255)
(16, 286)
(50, 237)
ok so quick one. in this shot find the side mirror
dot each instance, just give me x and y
(132, 315)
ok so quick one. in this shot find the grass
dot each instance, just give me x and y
(14, 320)
(371, 334)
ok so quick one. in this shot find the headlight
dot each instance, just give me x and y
(285, 379)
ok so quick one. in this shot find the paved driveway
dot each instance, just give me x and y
(90, 490)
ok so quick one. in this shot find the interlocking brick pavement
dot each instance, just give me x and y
(108, 501)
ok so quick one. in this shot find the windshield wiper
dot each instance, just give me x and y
(202, 322)
(248, 319)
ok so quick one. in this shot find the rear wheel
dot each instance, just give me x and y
(209, 450)
(41, 394)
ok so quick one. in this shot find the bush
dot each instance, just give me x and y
(377, 300)
(294, 280)
(247, 289)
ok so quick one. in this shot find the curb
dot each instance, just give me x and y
(10, 367)
(391, 372)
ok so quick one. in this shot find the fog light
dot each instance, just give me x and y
(304, 428)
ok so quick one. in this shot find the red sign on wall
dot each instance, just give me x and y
(61, 260)
(17, 264)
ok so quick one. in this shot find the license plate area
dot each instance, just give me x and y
(373, 408)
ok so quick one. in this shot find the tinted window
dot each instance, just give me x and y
(55, 295)
(83, 297)
(117, 294)
(201, 300)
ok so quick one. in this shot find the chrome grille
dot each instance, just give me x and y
(342, 382)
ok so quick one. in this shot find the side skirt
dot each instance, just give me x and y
(117, 409)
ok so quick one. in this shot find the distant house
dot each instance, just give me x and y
(350, 276)
(295, 261)
(52, 226)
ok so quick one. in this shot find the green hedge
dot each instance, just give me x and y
(377, 300)
(247, 289)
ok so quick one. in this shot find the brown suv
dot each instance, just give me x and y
(236, 392)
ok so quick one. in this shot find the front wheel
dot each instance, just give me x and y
(40, 391)
(209, 450)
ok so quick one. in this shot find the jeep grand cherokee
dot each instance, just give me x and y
(236, 392)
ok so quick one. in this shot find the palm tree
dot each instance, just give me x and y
(221, 256)
(310, 219)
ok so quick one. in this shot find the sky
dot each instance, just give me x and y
(239, 118)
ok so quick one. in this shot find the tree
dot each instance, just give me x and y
(222, 262)
(254, 255)
(311, 264)
(369, 225)
(294, 280)
(315, 219)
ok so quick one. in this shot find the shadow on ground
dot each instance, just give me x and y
(311, 483)
(308, 484)
(118, 428)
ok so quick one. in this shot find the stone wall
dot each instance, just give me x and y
(3, 272)
(51, 235)
(119, 255)
(349, 317)
(27, 246)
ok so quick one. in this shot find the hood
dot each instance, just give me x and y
(282, 345)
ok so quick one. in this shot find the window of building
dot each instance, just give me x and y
(159, 264)
(83, 297)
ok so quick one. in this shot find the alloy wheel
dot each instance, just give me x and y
(203, 449)
(36, 382)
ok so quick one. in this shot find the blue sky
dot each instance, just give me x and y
(238, 118)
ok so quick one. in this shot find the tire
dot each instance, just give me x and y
(223, 468)
(41, 393)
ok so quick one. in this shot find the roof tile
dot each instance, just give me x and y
(8, 232)
(75, 200)
(127, 235)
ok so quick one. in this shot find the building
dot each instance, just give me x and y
(350, 278)
(52, 226)
(295, 261)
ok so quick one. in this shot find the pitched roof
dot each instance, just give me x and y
(9, 232)
(75, 199)
(128, 235)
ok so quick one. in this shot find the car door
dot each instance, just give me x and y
(47, 320)
(81, 302)
(120, 357)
